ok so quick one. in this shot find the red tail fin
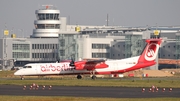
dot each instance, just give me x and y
(150, 51)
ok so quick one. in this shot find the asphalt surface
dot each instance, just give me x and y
(110, 92)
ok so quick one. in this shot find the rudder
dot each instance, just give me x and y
(150, 51)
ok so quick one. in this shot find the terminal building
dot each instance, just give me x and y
(53, 40)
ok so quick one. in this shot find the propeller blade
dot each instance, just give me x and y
(72, 62)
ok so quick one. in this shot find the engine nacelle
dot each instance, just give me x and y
(90, 66)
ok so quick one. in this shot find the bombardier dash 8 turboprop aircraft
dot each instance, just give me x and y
(147, 58)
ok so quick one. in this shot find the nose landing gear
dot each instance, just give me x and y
(22, 78)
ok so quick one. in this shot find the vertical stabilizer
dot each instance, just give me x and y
(150, 52)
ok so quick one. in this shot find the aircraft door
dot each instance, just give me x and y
(37, 69)
(115, 67)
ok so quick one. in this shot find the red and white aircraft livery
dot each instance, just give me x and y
(147, 58)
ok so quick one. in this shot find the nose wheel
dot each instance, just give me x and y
(22, 78)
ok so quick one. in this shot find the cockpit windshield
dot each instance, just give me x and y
(27, 67)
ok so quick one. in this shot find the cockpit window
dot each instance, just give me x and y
(27, 67)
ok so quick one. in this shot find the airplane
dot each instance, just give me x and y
(94, 67)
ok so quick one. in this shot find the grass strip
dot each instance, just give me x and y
(56, 98)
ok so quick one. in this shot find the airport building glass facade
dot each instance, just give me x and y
(48, 16)
(133, 44)
(21, 51)
(67, 46)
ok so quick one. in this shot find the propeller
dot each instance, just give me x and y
(72, 62)
(58, 60)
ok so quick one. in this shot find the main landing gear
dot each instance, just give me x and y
(93, 75)
(79, 76)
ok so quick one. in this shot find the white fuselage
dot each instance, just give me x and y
(64, 68)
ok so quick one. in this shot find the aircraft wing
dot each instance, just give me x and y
(89, 64)
(95, 61)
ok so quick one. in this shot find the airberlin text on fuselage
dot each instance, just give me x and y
(47, 68)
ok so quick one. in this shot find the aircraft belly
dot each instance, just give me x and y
(81, 71)
(123, 67)
(52, 73)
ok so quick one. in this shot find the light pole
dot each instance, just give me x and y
(6, 33)
(2, 33)
(107, 20)
(20, 32)
(12, 31)
(24, 34)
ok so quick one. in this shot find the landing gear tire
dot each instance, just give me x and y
(22, 78)
(79, 76)
(93, 77)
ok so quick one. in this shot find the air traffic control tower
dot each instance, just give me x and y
(48, 22)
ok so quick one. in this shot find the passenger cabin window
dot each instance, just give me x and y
(27, 67)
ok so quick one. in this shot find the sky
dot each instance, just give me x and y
(18, 15)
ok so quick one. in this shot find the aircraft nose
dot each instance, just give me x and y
(17, 73)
